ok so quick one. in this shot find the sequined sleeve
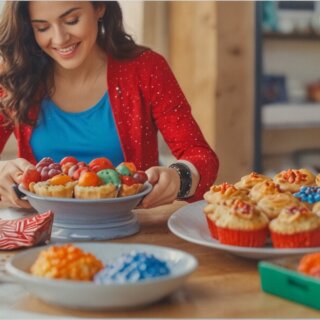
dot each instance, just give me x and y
(173, 117)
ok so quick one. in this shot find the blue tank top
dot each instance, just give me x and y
(85, 135)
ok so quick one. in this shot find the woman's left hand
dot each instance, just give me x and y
(166, 185)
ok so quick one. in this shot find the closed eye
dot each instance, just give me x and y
(72, 22)
(43, 29)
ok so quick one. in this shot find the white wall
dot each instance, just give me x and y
(133, 19)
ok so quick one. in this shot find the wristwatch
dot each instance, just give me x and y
(185, 179)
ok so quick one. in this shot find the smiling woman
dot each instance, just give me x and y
(67, 33)
(73, 82)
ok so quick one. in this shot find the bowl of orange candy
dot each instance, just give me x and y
(90, 201)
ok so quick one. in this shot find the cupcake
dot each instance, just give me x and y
(272, 204)
(224, 192)
(61, 186)
(262, 189)
(250, 180)
(295, 227)
(291, 180)
(95, 192)
(220, 196)
(132, 181)
(242, 225)
(66, 262)
(213, 213)
(92, 186)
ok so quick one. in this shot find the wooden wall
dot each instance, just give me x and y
(211, 51)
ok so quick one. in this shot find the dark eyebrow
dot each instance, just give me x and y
(61, 16)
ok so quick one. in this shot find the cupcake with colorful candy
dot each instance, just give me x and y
(61, 186)
(292, 180)
(250, 180)
(272, 204)
(132, 180)
(218, 197)
(263, 189)
(224, 193)
(295, 227)
(242, 225)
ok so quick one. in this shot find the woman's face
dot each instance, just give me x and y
(66, 30)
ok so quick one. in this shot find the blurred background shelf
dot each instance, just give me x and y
(291, 36)
(289, 101)
(290, 115)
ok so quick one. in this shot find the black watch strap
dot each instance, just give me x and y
(185, 179)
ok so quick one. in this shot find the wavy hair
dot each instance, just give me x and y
(26, 73)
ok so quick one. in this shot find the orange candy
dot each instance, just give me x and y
(310, 264)
(60, 179)
(66, 262)
(89, 179)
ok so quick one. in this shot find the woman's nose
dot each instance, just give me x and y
(59, 36)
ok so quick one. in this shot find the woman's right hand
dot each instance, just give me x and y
(11, 173)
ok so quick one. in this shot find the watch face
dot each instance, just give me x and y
(185, 179)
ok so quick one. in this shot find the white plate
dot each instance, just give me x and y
(189, 223)
(91, 296)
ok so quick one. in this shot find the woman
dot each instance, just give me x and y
(74, 83)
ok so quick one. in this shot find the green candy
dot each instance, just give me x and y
(109, 176)
(123, 170)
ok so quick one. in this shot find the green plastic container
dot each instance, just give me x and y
(279, 277)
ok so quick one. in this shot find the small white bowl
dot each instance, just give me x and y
(91, 296)
(99, 219)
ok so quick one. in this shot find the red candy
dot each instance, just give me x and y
(30, 175)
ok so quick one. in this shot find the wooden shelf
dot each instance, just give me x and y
(291, 36)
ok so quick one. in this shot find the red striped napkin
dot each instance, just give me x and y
(25, 232)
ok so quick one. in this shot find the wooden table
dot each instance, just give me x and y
(224, 286)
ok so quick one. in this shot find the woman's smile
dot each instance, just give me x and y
(69, 51)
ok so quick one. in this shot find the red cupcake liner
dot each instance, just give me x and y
(297, 240)
(243, 238)
(212, 228)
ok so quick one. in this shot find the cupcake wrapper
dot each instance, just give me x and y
(297, 240)
(212, 228)
(243, 238)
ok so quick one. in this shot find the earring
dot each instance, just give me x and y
(102, 30)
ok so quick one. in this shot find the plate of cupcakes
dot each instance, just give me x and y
(90, 201)
(258, 217)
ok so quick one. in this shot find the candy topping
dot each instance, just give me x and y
(132, 267)
(293, 176)
(242, 208)
(308, 194)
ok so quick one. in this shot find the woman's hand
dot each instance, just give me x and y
(166, 185)
(10, 173)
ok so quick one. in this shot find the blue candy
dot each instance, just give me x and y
(132, 267)
(308, 194)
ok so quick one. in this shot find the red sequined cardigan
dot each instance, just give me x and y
(145, 97)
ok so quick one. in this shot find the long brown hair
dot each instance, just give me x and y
(26, 73)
